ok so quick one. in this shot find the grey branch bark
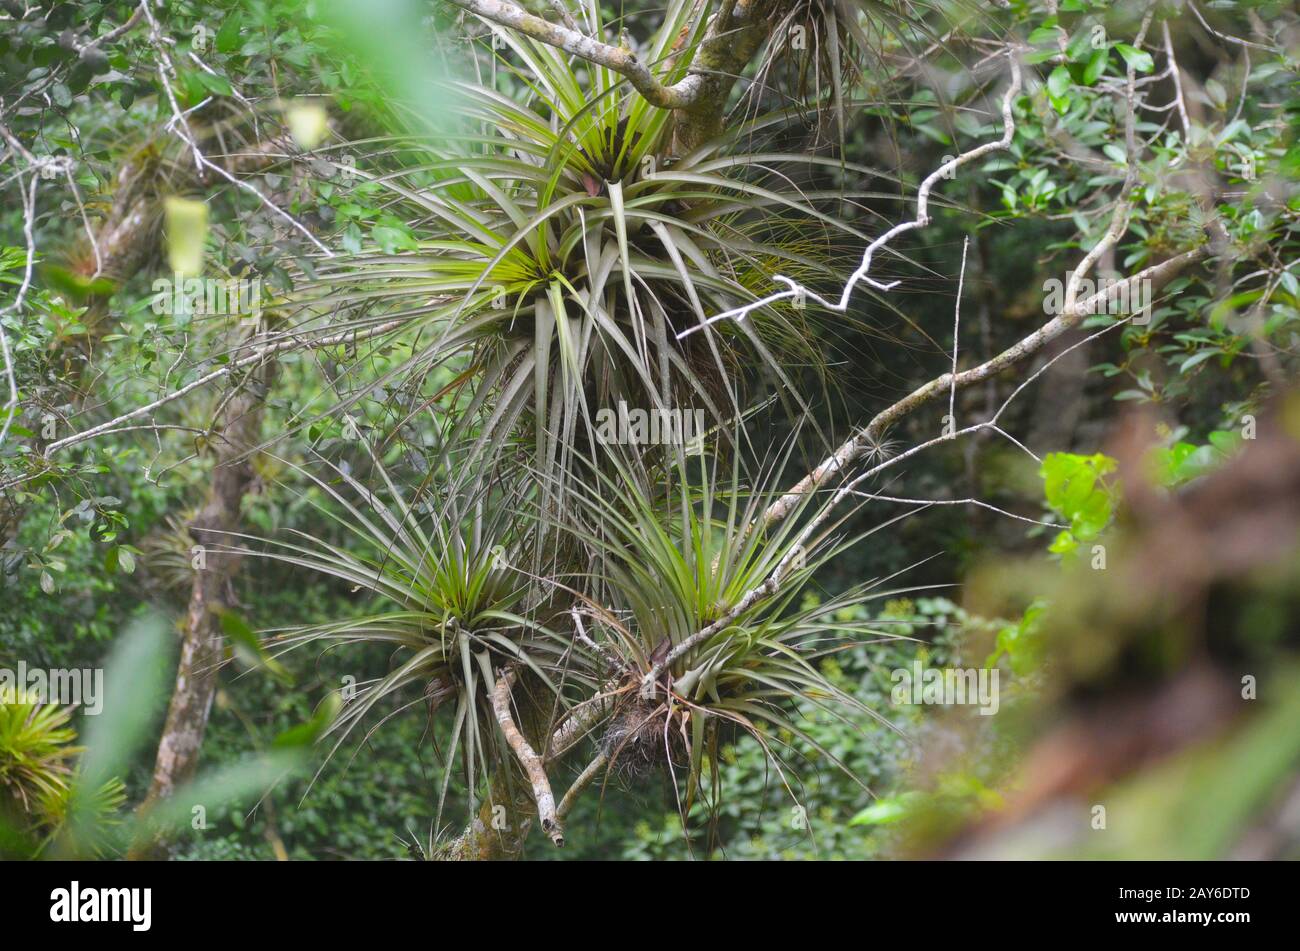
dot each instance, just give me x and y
(579, 784)
(528, 759)
(257, 354)
(201, 643)
(732, 38)
(622, 61)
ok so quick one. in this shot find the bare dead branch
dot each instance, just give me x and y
(1227, 38)
(1179, 101)
(29, 215)
(582, 781)
(1072, 314)
(582, 718)
(528, 759)
(795, 290)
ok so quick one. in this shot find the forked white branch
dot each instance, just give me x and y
(795, 290)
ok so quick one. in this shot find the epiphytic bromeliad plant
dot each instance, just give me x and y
(561, 296)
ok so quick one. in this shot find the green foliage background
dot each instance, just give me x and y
(94, 543)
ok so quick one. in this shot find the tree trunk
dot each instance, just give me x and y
(126, 240)
(501, 827)
(201, 645)
(721, 59)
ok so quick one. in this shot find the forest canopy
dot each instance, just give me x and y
(496, 429)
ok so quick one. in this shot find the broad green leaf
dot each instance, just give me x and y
(1139, 60)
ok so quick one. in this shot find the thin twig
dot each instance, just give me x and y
(956, 329)
(29, 215)
(256, 356)
(1229, 39)
(240, 183)
(977, 502)
(166, 66)
(575, 789)
(1178, 83)
(85, 220)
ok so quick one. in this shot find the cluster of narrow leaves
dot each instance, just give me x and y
(543, 249)
(37, 773)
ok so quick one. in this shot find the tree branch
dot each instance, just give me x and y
(856, 446)
(166, 66)
(1072, 314)
(622, 61)
(258, 355)
(798, 291)
(581, 719)
(582, 781)
(528, 759)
